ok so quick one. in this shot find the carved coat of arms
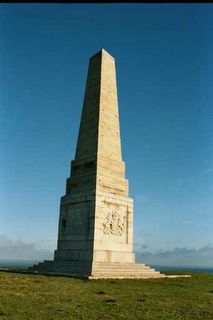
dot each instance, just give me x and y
(114, 224)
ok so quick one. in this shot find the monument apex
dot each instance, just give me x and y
(95, 233)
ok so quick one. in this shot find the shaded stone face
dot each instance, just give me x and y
(96, 213)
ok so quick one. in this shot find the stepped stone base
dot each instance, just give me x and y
(96, 270)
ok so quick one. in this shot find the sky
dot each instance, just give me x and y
(163, 56)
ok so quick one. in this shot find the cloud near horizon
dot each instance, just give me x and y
(20, 250)
(201, 257)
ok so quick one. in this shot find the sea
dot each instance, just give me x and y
(28, 263)
(183, 268)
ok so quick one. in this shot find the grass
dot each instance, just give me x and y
(34, 297)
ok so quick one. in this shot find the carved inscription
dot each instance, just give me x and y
(114, 223)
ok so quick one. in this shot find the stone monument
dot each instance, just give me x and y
(95, 235)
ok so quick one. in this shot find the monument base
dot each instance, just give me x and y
(96, 270)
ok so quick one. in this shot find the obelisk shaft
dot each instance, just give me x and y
(100, 120)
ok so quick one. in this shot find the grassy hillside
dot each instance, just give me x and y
(38, 297)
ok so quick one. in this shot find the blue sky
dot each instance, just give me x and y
(164, 71)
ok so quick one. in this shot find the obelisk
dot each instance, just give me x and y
(95, 235)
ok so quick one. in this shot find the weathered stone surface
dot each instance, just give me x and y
(95, 237)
